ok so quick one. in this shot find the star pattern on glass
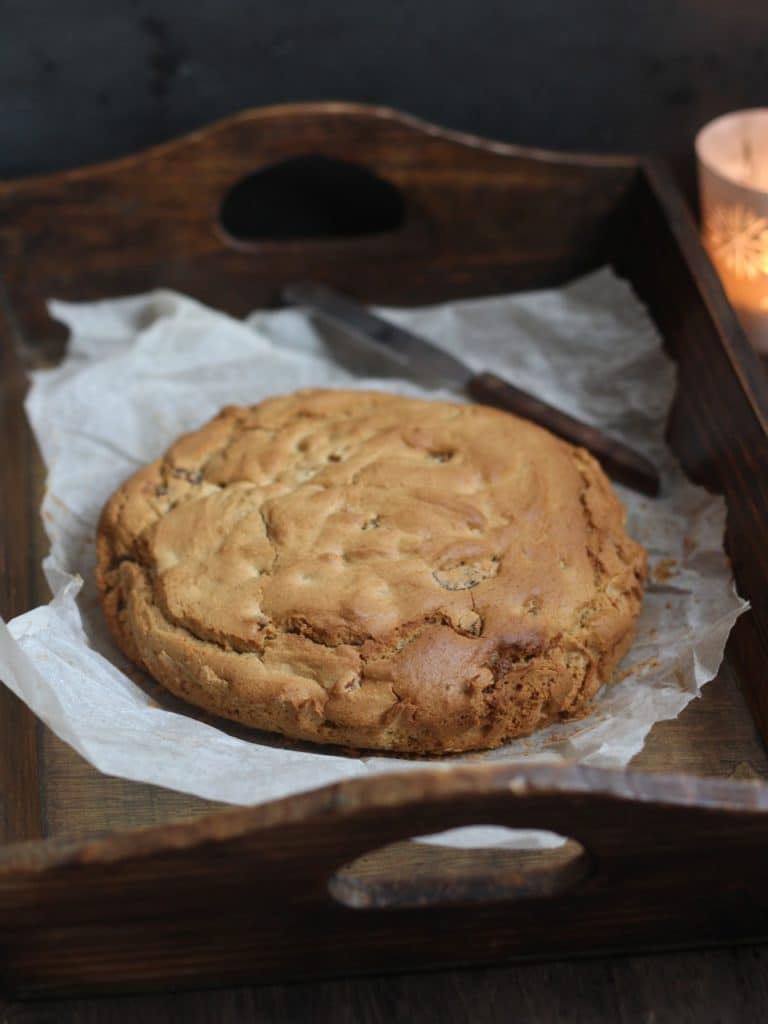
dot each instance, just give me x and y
(739, 238)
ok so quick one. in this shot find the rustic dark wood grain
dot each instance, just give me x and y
(714, 735)
(712, 987)
(719, 422)
(231, 896)
(19, 778)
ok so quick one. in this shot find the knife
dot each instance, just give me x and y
(421, 358)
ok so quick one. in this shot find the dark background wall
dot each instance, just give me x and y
(82, 80)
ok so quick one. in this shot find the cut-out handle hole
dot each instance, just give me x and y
(310, 197)
(419, 873)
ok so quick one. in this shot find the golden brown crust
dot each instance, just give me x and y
(364, 569)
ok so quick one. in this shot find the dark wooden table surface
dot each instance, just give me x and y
(714, 986)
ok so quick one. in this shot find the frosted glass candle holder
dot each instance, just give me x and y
(732, 155)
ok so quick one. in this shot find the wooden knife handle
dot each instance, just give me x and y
(621, 463)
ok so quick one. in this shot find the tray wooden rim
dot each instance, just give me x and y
(322, 108)
(343, 800)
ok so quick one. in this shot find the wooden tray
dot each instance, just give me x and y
(102, 886)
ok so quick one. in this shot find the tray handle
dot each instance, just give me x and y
(527, 217)
(418, 874)
(311, 197)
(243, 894)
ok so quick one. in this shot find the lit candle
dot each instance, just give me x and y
(732, 154)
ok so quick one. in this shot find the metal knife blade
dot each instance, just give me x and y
(421, 358)
(418, 356)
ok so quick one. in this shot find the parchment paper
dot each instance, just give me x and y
(141, 370)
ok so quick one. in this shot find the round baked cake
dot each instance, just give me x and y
(364, 569)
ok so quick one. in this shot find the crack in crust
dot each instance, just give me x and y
(373, 571)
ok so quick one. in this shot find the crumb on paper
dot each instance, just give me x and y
(635, 669)
(664, 570)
